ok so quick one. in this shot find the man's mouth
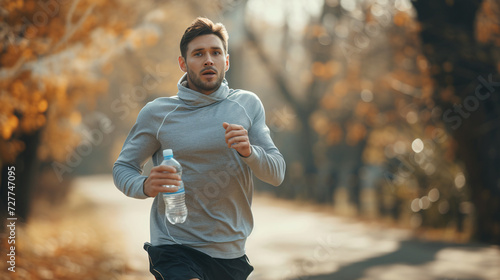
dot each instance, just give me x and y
(209, 73)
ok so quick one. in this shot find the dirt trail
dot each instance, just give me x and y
(291, 241)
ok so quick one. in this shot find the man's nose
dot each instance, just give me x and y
(209, 61)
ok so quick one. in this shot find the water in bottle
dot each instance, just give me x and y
(175, 204)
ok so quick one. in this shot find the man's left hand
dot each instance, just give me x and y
(237, 138)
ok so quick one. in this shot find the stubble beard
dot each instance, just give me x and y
(204, 86)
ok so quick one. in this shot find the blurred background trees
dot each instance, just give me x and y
(357, 94)
(391, 102)
(460, 40)
(49, 50)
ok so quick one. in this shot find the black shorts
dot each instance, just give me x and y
(178, 262)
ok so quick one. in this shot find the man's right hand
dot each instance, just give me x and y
(161, 175)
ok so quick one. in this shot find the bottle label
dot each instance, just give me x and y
(177, 192)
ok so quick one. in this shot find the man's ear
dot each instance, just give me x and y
(227, 63)
(182, 64)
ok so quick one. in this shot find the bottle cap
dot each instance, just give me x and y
(168, 153)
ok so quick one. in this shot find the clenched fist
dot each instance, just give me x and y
(237, 138)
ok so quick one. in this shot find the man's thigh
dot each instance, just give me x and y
(172, 263)
(181, 262)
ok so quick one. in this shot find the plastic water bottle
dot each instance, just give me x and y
(175, 203)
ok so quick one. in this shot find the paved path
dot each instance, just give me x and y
(292, 241)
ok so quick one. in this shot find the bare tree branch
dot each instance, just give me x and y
(278, 77)
(70, 32)
(71, 11)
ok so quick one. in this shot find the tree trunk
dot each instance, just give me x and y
(460, 64)
(26, 167)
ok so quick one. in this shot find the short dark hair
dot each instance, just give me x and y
(203, 26)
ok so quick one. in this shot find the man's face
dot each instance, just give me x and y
(205, 63)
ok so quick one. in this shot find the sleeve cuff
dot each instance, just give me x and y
(139, 193)
(251, 158)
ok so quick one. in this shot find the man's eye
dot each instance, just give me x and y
(217, 53)
(197, 54)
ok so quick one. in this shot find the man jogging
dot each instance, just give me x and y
(220, 138)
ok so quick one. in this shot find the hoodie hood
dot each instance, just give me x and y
(198, 99)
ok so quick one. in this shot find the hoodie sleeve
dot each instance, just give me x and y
(266, 161)
(140, 145)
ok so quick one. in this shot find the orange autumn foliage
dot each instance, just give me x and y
(42, 80)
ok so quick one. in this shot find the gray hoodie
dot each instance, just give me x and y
(217, 180)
